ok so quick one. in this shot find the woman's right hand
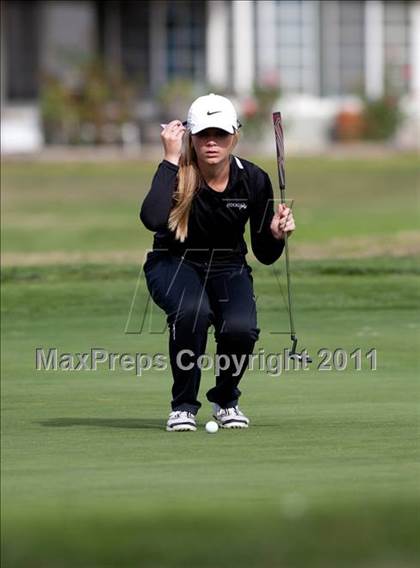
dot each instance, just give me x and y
(171, 136)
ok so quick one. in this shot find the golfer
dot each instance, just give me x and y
(200, 201)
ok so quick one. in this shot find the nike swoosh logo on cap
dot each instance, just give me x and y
(214, 112)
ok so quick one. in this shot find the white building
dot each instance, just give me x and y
(317, 49)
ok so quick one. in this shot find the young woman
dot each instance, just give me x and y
(199, 203)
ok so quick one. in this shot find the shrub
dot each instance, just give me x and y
(91, 109)
(257, 108)
(381, 118)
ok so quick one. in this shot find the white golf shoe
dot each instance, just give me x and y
(230, 417)
(181, 421)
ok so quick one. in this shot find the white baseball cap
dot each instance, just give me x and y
(212, 111)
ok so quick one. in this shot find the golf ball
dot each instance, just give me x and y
(212, 427)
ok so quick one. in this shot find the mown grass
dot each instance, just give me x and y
(328, 474)
(94, 207)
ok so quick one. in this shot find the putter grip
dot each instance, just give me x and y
(278, 133)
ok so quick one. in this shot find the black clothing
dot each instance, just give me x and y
(194, 298)
(206, 280)
(217, 219)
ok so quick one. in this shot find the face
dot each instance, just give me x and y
(212, 145)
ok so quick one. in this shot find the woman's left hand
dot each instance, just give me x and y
(282, 222)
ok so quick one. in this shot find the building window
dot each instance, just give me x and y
(135, 40)
(342, 47)
(352, 49)
(186, 34)
(396, 46)
(294, 46)
(21, 50)
(287, 44)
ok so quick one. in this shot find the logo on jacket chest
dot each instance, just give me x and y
(238, 204)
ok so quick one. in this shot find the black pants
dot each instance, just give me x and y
(195, 296)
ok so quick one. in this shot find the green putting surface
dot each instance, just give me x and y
(327, 475)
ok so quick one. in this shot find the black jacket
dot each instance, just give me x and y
(217, 219)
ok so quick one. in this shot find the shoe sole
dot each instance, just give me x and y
(232, 425)
(181, 428)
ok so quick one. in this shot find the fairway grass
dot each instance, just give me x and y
(327, 475)
(75, 212)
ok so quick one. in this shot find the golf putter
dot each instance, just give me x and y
(278, 133)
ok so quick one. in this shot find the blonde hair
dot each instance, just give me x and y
(188, 181)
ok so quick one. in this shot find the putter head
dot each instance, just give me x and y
(302, 357)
